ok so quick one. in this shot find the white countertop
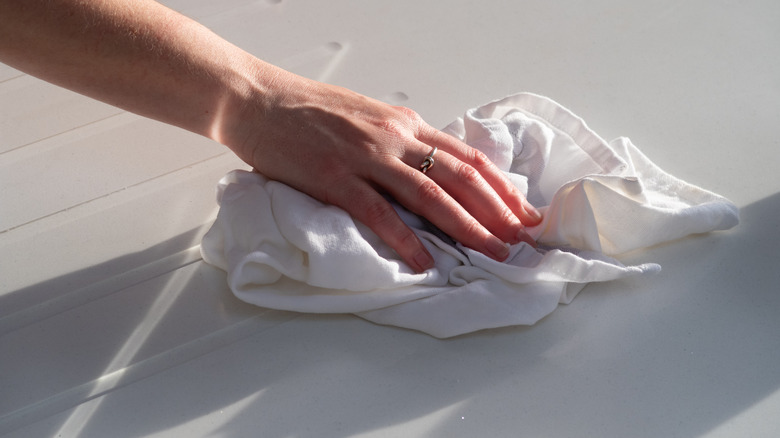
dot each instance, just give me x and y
(112, 326)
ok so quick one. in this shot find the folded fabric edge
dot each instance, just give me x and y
(558, 116)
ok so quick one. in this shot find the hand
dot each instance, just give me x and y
(347, 149)
(336, 145)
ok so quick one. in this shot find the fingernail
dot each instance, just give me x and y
(423, 260)
(536, 214)
(498, 249)
(523, 236)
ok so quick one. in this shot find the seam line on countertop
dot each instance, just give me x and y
(176, 356)
(113, 192)
(75, 128)
(92, 292)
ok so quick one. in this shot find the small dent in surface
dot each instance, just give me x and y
(333, 46)
(397, 97)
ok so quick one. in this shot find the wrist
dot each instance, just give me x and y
(246, 109)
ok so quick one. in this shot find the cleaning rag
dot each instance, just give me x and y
(284, 250)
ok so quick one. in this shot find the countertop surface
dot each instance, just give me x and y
(112, 325)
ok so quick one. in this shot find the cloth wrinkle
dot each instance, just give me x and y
(283, 249)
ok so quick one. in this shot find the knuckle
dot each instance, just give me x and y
(507, 217)
(402, 122)
(479, 158)
(377, 213)
(469, 175)
(335, 189)
(429, 193)
(472, 228)
(405, 238)
(381, 217)
(409, 114)
(393, 126)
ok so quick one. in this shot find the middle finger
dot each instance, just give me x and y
(469, 188)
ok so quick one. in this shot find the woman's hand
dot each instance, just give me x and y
(347, 149)
(336, 145)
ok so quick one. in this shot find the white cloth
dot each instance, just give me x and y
(285, 250)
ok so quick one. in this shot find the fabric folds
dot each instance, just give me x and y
(285, 250)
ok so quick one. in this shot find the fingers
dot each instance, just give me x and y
(365, 204)
(508, 194)
(426, 198)
(464, 194)
(468, 188)
(374, 147)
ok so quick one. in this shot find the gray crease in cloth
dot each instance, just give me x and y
(284, 250)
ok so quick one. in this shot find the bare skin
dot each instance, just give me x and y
(336, 145)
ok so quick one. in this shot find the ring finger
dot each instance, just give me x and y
(469, 188)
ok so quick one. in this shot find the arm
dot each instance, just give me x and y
(336, 145)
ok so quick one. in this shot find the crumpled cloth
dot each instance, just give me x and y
(284, 250)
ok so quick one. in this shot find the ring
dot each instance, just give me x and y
(428, 161)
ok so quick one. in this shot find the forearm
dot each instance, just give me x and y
(138, 55)
(334, 144)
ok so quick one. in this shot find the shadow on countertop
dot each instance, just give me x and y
(674, 354)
